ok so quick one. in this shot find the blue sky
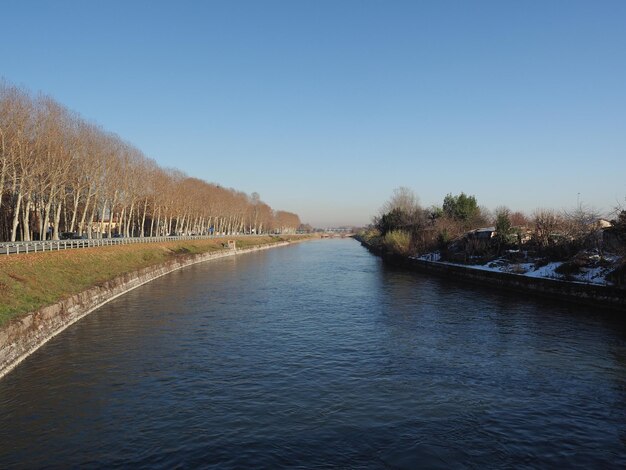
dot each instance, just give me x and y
(324, 107)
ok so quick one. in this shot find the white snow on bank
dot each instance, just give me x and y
(435, 256)
(595, 275)
(545, 271)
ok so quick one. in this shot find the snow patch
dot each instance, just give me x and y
(590, 275)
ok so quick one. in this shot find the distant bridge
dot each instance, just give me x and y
(337, 234)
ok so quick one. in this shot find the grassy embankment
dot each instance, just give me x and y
(31, 281)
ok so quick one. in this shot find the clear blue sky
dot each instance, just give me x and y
(324, 107)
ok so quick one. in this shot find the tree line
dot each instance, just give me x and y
(405, 227)
(61, 174)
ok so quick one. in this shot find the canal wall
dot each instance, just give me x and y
(24, 335)
(581, 293)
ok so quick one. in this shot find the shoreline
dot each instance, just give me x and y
(24, 335)
(594, 295)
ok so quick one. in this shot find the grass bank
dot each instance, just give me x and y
(31, 281)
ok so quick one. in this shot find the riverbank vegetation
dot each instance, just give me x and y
(573, 245)
(28, 282)
(60, 174)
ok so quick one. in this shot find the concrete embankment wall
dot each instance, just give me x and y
(22, 336)
(589, 294)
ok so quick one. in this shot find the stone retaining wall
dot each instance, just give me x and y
(589, 294)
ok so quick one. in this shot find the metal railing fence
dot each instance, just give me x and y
(7, 248)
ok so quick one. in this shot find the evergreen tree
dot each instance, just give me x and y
(462, 207)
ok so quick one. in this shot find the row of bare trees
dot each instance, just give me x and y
(60, 173)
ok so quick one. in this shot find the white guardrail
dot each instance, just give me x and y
(8, 248)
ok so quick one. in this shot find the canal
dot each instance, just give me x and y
(316, 356)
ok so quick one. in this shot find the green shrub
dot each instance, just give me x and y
(398, 242)
(369, 235)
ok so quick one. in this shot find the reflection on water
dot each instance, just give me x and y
(318, 355)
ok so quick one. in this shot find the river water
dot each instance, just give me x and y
(316, 356)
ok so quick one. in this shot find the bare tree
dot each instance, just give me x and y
(581, 221)
(58, 170)
(547, 223)
(403, 199)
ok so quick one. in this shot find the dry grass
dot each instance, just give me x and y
(398, 242)
(31, 281)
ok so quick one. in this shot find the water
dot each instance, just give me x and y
(317, 356)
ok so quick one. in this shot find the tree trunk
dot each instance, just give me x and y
(16, 208)
(152, 225)
(143, 217)
(101, 224)
(57, 221)
(122, 223)
(2, 176)
(110, 214)
(74, 212)
(129, 218)
(43, 231)
(26, 219)
(3, 169)
(81, 224)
